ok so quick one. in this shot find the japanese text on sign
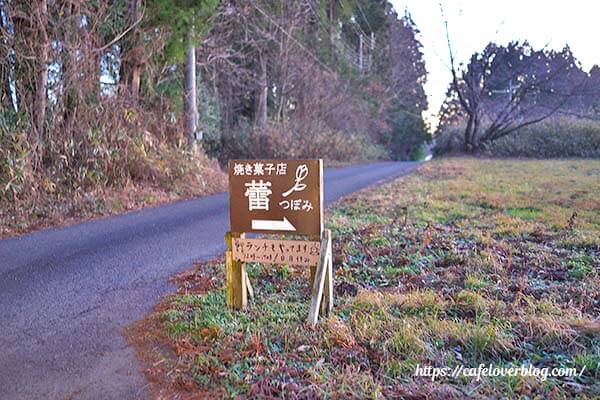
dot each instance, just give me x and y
(291, 252)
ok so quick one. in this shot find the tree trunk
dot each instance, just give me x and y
(262, 95)
(331, 30)
(130, 70)
(313, 23)
(191, 109)
(69, 69)
(5, 64)
(468, 133)
(475, 134)
(41, 84)
(226, 99)
(23, 44)
(471, 132)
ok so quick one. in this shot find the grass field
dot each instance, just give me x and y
(464, 262)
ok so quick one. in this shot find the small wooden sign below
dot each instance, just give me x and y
(291, 252)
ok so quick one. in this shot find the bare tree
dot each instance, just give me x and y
(527, 81)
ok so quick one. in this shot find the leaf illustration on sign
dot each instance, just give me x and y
(301, 173)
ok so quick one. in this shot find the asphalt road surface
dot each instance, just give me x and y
(66, 293)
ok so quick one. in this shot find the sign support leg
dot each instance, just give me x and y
(313, 268)
(249, 285)
(237, 278)
(327, 301)
(321, 275)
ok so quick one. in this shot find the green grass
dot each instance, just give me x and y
(465, 261)
(528, 213)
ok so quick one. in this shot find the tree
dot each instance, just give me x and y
(403, 73)
(506, 88)
(184, 21)
(25, 25)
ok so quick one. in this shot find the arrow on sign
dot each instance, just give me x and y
(272, 225)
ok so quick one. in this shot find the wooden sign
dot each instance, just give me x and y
(290, 252)
(276, 196)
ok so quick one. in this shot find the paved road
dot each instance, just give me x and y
(66, 293)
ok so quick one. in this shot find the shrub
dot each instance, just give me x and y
(115, 158)
(15, 168)
(450, 141)
(407, 136)
(552, 138)
(279, 141)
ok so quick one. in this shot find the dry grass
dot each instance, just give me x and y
(48, 202)
(466, 261)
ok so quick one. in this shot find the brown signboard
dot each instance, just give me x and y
(276, 196)
(291, 252)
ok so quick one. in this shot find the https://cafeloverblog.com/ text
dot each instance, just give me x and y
(490, 370)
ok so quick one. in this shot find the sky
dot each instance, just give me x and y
(473, 24)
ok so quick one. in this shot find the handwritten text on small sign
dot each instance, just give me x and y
(291, 252)
(276, 196)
